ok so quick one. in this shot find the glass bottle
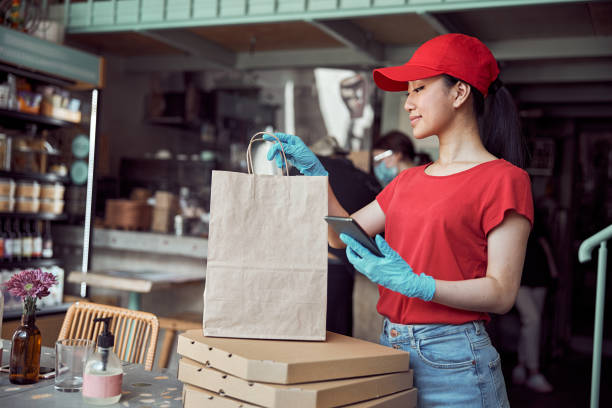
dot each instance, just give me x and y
(1, 243)
(47, 248)
(16, 241)
(37, 243)
(26, 241)
(24, 363)
(1, 317)
(103, 375)
(8, 241)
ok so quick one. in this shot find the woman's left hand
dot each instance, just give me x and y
(390, 270)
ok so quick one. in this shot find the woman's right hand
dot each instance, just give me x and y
(297, 153)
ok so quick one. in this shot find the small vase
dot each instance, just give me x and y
(25, 351)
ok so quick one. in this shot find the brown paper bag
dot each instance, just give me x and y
(266, 274)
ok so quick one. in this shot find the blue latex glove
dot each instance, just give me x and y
(390, 270)
(297, 153)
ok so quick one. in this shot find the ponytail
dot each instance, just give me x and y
(498, 122)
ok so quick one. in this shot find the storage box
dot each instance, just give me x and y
(7, 204)
(291, 362)
(163, 219)
(27, 205)
(194, 397)
(60, 113)
(127, 214)
(7, 187)
(28, 189)
(321, 394)
(52, 191)
(164, 199)
(51, 206)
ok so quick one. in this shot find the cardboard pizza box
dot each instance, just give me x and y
(292, 362)
(194, 397)
(323, 394)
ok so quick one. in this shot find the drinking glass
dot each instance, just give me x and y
(70, 358)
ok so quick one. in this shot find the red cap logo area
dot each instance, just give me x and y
(458, 55)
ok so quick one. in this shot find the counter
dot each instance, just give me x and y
(138, 252)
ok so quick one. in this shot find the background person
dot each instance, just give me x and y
(354, 189)
(540, 267)
(392, 153)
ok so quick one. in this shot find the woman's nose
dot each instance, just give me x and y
(408, 105)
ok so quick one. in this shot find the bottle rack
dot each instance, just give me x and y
(46, 63)
(19, 118)
(45, 178)
(30, 263)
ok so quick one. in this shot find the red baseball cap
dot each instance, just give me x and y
(458, 55)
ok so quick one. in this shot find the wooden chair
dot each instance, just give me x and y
(135, 331)
(171, 326)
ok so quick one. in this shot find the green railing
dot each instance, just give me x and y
(584, 255)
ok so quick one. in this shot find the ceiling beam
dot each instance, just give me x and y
(435, 23)
(352, 36)
(513, 72)
(193, 44)
(543, 48)
(564, 93)
(322, 57)
(531, 49)
(174, 63)
(593, 110)
(554, 72)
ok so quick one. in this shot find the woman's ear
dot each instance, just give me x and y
(462, 92)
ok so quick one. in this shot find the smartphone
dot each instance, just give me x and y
(43, 372)
(349, 226)
(46, 372)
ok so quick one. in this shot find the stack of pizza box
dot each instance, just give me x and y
(339, 372)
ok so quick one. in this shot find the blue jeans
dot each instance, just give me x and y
(454, 365)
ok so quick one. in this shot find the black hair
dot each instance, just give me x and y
(396, 141)
(498, 122)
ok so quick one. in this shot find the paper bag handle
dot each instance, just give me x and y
(258, 137)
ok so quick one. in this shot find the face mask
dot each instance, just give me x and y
(385, 174)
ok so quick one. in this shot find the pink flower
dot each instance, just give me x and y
(31, 283)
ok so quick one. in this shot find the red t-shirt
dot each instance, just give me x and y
(439, 225)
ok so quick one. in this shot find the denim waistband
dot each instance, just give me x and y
(422, 331)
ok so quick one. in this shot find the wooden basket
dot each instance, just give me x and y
(127, 214)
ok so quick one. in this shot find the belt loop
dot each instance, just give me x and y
(410, 329)
(476, 326)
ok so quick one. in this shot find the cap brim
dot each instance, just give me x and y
(395, 79)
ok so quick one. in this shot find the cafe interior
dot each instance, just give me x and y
(117, 115)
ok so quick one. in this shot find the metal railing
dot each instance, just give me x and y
(584, 255)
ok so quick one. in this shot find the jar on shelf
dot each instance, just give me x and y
(52, 191)
(27, 205)
(28, 189)
(51, 206)
(7, 204)
(7, 187)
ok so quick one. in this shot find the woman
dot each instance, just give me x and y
(455, 230)
(392, 154)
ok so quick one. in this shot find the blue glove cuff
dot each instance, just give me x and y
(426, 288)
(317, 171)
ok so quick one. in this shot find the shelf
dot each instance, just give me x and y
(13, 314)
(34, 216)
(48, 178)
(29, 263)
(20, 117)
(174, 122)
